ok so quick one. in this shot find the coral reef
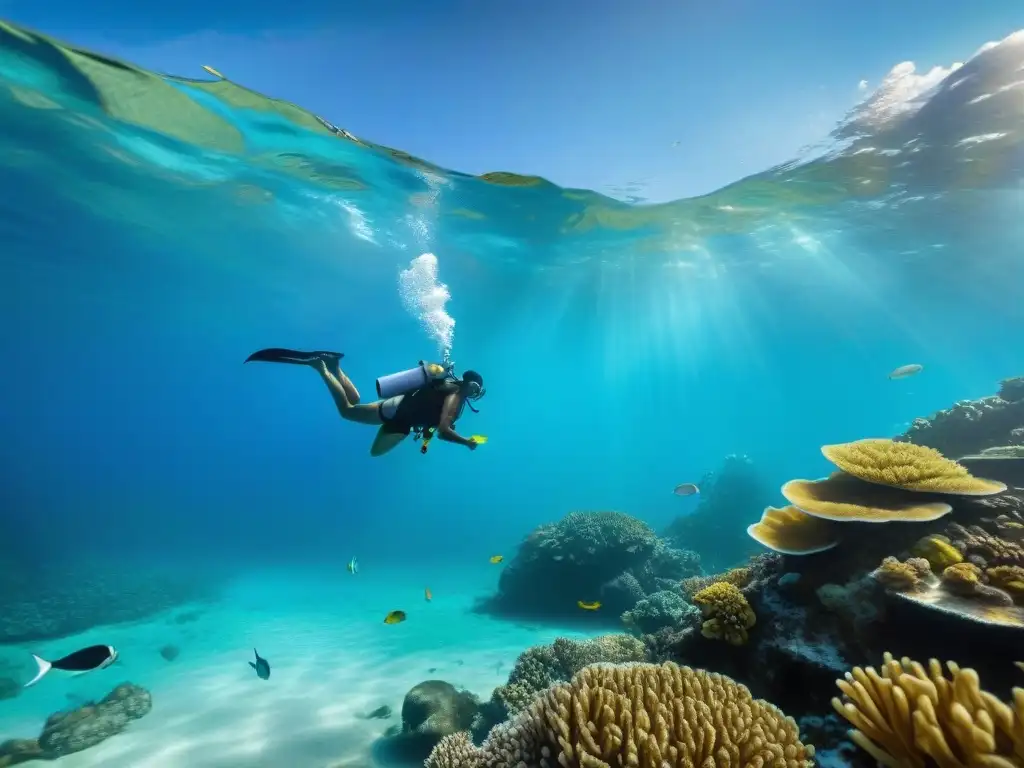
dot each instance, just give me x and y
(727, 614)
(46, 603)
(543, 665)
(68, 732)
(605, 556)
(659, 611)
(909, 713)
(715, 528)
(639, 715)
(971, 426)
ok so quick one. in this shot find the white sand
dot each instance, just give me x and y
(328, 666)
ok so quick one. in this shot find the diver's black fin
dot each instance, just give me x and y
(293, 356)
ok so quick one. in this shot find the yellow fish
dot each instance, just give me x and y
(428, 594)
(395, 617)
(496, 559)
(1020, 665)
(588, 606)
(478, 439)
(214, 72)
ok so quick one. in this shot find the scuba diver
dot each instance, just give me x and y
(426, 400)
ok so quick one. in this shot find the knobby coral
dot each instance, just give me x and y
(727, 613)
(938, 551)
(892, 574)
(640, 716)
(909, 714)
(907, 466)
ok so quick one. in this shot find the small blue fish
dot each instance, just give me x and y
(353, 566)
(262, 666)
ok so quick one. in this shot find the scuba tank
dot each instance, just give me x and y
(414, 378)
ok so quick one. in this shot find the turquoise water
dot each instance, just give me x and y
(148, 249)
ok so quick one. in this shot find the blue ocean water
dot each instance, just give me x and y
(157, 230)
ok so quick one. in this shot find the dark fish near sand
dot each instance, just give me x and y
(77, 663)
(395, 617)
(905, 371)
(686, 489)
(261, 665)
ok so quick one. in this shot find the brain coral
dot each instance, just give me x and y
(638, 716)
(908, 714)
(728, 614)
(907, 466)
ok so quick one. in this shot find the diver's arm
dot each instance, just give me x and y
(444, 427)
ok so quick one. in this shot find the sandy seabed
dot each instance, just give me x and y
(333, 661)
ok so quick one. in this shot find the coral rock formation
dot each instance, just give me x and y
(68, 732)
(605, 556)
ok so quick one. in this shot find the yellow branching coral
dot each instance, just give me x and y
(901, 577)
(640, 716)
(907, 466)
(792, 532)
(910, 716)
(844, 498)
(938, 551)
(727, 613)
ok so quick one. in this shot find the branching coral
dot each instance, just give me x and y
(640, 716)
(658, 611)
(909, 715)
(907, 466)
(727, 613)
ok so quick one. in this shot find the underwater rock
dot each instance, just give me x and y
(620, 594)
(170, 652)
(9, 688)
(75, 730)
(572, 560)
(659, 611)
(717, 528)
(666, 567)
(383, 712)
(53, 602)
(431, 710)
(970, 426)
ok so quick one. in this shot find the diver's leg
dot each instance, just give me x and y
(385, 441)
(350, 411)
(334, 366)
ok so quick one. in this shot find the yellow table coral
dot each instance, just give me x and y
(727, 613)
